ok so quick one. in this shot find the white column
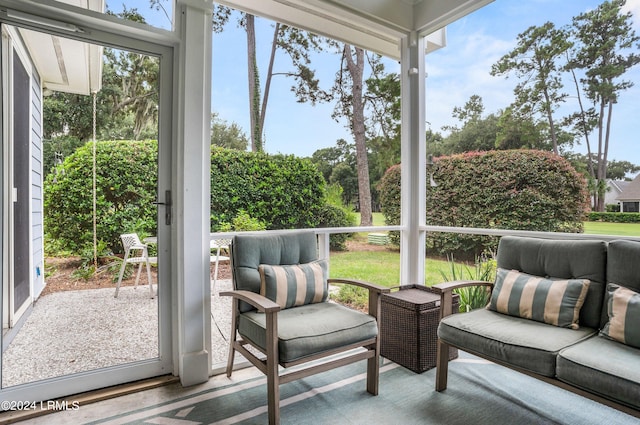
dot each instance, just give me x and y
(192, 320)
(413, 159)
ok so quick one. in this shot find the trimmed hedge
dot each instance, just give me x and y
(283, 191)
(614, 217)
(126, 181)
(512, 189)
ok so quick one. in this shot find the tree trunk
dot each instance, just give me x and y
(267, 84)
(356, 70)
(601, 195)
(254, 85)
(552, 127)
(601, 161)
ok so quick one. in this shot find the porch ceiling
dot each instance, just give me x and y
(375, 25)
(63, 64)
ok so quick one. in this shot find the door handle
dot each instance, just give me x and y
(167, 203)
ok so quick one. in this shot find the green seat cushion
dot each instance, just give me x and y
(623, 310)
(523, 343)
(605, 367)
(553, 301)
(296, 284)
(310, 329)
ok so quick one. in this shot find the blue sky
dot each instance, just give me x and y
(455, 73)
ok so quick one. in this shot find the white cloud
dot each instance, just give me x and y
(633, 6)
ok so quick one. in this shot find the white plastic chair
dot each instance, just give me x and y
(218, 245)
(140, 256)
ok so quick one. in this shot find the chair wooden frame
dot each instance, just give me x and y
(269, 364)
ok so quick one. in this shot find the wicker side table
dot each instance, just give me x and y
(409, 325)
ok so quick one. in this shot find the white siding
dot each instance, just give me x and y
(37, 211)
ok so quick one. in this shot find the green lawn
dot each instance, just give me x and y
(618, 229)
(383, 267)
(378, 219)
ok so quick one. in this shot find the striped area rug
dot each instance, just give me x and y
(479, 392)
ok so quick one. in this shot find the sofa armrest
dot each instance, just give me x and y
(445, 289)
(374, 292)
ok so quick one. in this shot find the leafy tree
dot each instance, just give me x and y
(606, 48)
(54, 151)
(534, 61)
(297, 44)
(619, 170)
(327, 158)
(383, 95)
(126, 105)
(475, 134)
(346, 177)
(338, 166)
(349, 89)
(226, 135)
(469, 113)
(516, 131)
(132, 90)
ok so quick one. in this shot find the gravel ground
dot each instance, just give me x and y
(74, 331)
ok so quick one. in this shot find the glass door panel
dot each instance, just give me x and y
(83, 173)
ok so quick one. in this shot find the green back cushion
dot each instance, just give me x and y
(555, 302)
(561, 259)
(249, 251)
(294, 285)
(623, 308)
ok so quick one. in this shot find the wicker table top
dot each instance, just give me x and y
(417, 297)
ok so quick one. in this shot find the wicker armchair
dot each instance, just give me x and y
(280, 307)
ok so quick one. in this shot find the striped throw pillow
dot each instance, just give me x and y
(623, 307)
(294, 285)
(551, 301)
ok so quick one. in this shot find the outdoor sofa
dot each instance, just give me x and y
(587, 292)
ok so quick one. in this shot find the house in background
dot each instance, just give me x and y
(614, 189)
(34, 64)
(629, 198)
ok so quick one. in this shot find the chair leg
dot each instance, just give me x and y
(149, 280)
(138, 275)
(373, 371)
(122, 267)
(232, 337)
(215, 275)
(273, 378)
(273, 392)
(442, 365)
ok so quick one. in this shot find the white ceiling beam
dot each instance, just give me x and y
(432, 15)
(329, 20)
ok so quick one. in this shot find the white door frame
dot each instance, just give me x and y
(10, 50)
(160, 44)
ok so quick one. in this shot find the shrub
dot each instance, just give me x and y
(390, 199)
(126, 176)
(282, 191)
(512, 189)
(243, 222)
(472, 297)
(335, 214)
(249, 191)
(614, 217)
